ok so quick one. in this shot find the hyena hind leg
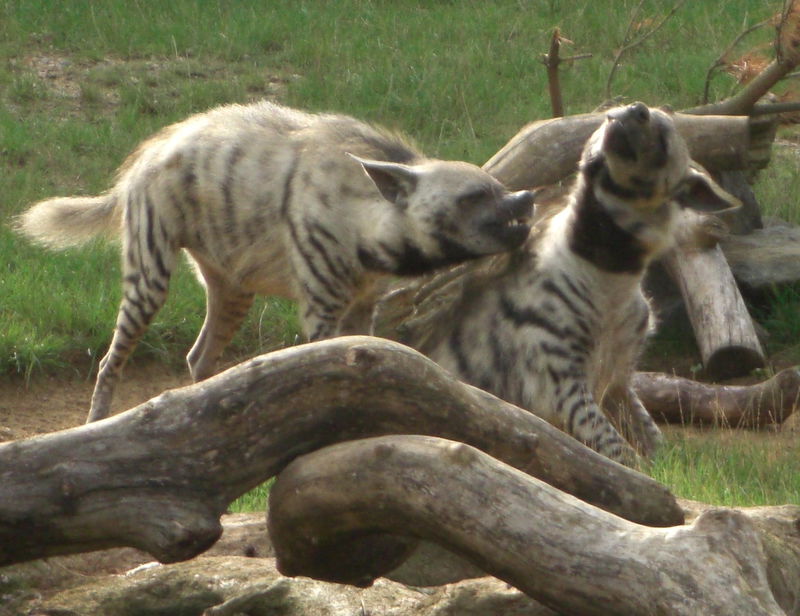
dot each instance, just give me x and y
(226, 308)
(142, 297)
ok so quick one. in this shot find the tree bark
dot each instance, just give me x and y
(677, 400)
(568, 555)
(158, 476)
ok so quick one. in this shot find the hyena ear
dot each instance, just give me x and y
(700, 192)
(395, 181)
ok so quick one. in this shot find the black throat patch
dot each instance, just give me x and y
(595, 237)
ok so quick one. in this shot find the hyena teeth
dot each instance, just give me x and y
(560, 331)
(265, 199)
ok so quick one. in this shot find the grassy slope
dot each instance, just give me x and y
(82, 83)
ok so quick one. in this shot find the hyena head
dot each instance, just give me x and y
(450, 211)
(636, 168)
(638, 156)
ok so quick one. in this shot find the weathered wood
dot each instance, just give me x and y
(547, 151)
(677, 400)
(568, 555)
(724, 331)
(157, 477)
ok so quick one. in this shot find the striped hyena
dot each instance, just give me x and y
(557, 326)
(270, 200)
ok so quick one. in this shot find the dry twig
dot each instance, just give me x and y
(552, 61)
(722, 59)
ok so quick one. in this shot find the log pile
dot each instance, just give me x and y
(513, 495)
(182, 457)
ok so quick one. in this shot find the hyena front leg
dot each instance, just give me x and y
(632, 419)
(325, 283)
(584, 419)
(146, 272)
(226, 308)
(319, 315)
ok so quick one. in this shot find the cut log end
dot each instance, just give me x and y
(732, 361)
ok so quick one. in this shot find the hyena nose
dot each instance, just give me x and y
(639, 112)
(522, 200)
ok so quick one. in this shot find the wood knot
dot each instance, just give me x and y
(529, 442)
(384, 451)
(461, 454)
(361, 357)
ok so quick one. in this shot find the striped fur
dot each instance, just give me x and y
(271, 200)
(558, 326)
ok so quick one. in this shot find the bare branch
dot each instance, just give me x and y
(551, 61)
(771, 108)
(721, 59)
(786, 61)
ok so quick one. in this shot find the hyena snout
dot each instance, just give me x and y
(504, 224)
(635, 134)
(643, 152)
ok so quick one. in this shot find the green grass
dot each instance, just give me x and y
(81, 83)
(730, 468)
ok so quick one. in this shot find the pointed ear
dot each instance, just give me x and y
(395, 181)
(700, 192)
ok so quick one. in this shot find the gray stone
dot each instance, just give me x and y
(765, 256)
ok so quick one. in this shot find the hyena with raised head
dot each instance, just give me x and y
(558, 325)
(271, 200)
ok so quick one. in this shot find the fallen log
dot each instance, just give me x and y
(158, 477)
(568, 555)
(723, 329)
(678, 400)
(547, 151)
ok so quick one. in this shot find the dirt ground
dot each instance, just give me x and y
(48, 404)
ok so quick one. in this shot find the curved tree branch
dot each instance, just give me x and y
(566, 554)
(157, 477)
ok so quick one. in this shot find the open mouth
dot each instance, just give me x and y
(512, 223)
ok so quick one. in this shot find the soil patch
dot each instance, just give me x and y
(51, 403)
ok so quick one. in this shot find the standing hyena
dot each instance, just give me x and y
(556, 327)
(271, 200)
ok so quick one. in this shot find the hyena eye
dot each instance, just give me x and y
(474, 197)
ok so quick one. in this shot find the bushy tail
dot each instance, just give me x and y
(68, 221)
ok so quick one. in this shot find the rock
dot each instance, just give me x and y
(748, 216)
(433, 565)
(244, 535)
(765, 256)
(236, 585)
